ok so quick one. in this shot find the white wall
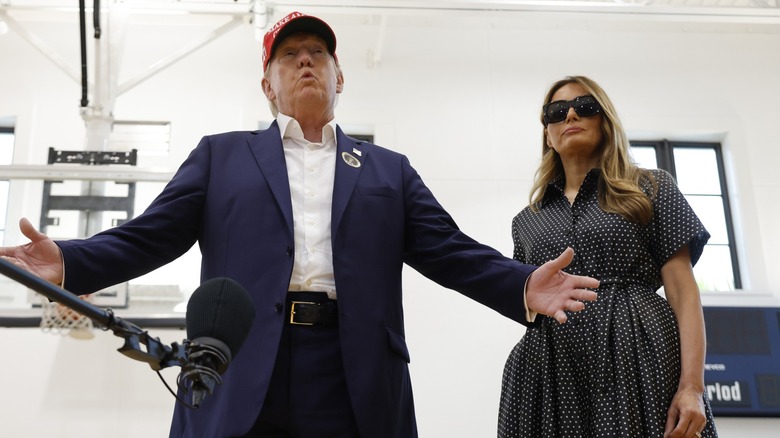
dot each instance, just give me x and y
(460, 95)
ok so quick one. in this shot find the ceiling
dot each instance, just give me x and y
(761, 10)
(26, 17)
(734, 16)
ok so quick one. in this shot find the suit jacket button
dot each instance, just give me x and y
(289, 251)
(278, 307)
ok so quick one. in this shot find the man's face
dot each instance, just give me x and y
(302, 75)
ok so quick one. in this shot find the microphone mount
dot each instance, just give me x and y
(153, 352)
(208, 358)
(203, 359)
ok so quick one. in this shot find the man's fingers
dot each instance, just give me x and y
(555, 292)
(557, 264)
(10, 259)
(563, 260)
(560, 316)
(576, 306)
(587, 295)
(29, 230)
(586, 282)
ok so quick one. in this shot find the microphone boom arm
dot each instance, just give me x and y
(155, 353)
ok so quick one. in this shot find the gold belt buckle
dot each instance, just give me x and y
(292, 312)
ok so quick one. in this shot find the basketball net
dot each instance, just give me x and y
(62, 320)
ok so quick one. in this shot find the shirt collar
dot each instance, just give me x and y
(290, 128)
(557, 185)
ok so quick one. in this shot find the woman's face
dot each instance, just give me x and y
(575, 138)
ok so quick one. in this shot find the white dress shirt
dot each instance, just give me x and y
(311, 168)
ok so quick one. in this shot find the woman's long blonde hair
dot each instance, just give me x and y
(619, 185)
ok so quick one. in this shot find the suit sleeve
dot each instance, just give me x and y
(166, 230)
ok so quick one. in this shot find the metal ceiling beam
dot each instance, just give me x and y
(40, 46)
(765, 4)
(375, 56)
(743, 8)
(757, 8)
(179, 55)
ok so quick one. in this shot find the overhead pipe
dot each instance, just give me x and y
(83, 34)
(96, 18)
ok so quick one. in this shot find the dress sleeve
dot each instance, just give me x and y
(674, 222)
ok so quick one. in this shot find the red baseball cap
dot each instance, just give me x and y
(293, 23)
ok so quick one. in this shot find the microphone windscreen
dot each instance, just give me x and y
(220, 308)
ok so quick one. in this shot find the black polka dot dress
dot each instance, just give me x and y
(612, 369)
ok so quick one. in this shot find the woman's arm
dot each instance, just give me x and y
(686, 414)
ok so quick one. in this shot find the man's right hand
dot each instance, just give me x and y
(41, 256)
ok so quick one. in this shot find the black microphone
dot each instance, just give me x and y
(219, 315)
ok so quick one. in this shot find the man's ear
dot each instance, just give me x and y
(339, 80)
(267, 90)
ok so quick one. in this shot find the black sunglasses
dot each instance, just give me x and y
(584, 106)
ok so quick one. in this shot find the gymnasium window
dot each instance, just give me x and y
(6, 157)
(149, 138)
(699, 172)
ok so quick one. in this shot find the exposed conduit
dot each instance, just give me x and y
(83, 32)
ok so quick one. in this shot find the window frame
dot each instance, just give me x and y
(6, 130)
(664, 152)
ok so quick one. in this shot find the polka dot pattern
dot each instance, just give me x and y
(612, 369)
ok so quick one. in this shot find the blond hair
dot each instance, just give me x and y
(619, 188)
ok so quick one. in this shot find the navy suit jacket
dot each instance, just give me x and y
(232, 197)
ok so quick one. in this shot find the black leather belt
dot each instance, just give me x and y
(311, 308)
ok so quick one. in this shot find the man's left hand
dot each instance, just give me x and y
(551, 292)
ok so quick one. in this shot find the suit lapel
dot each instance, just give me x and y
(346, 175)
(267, 148)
